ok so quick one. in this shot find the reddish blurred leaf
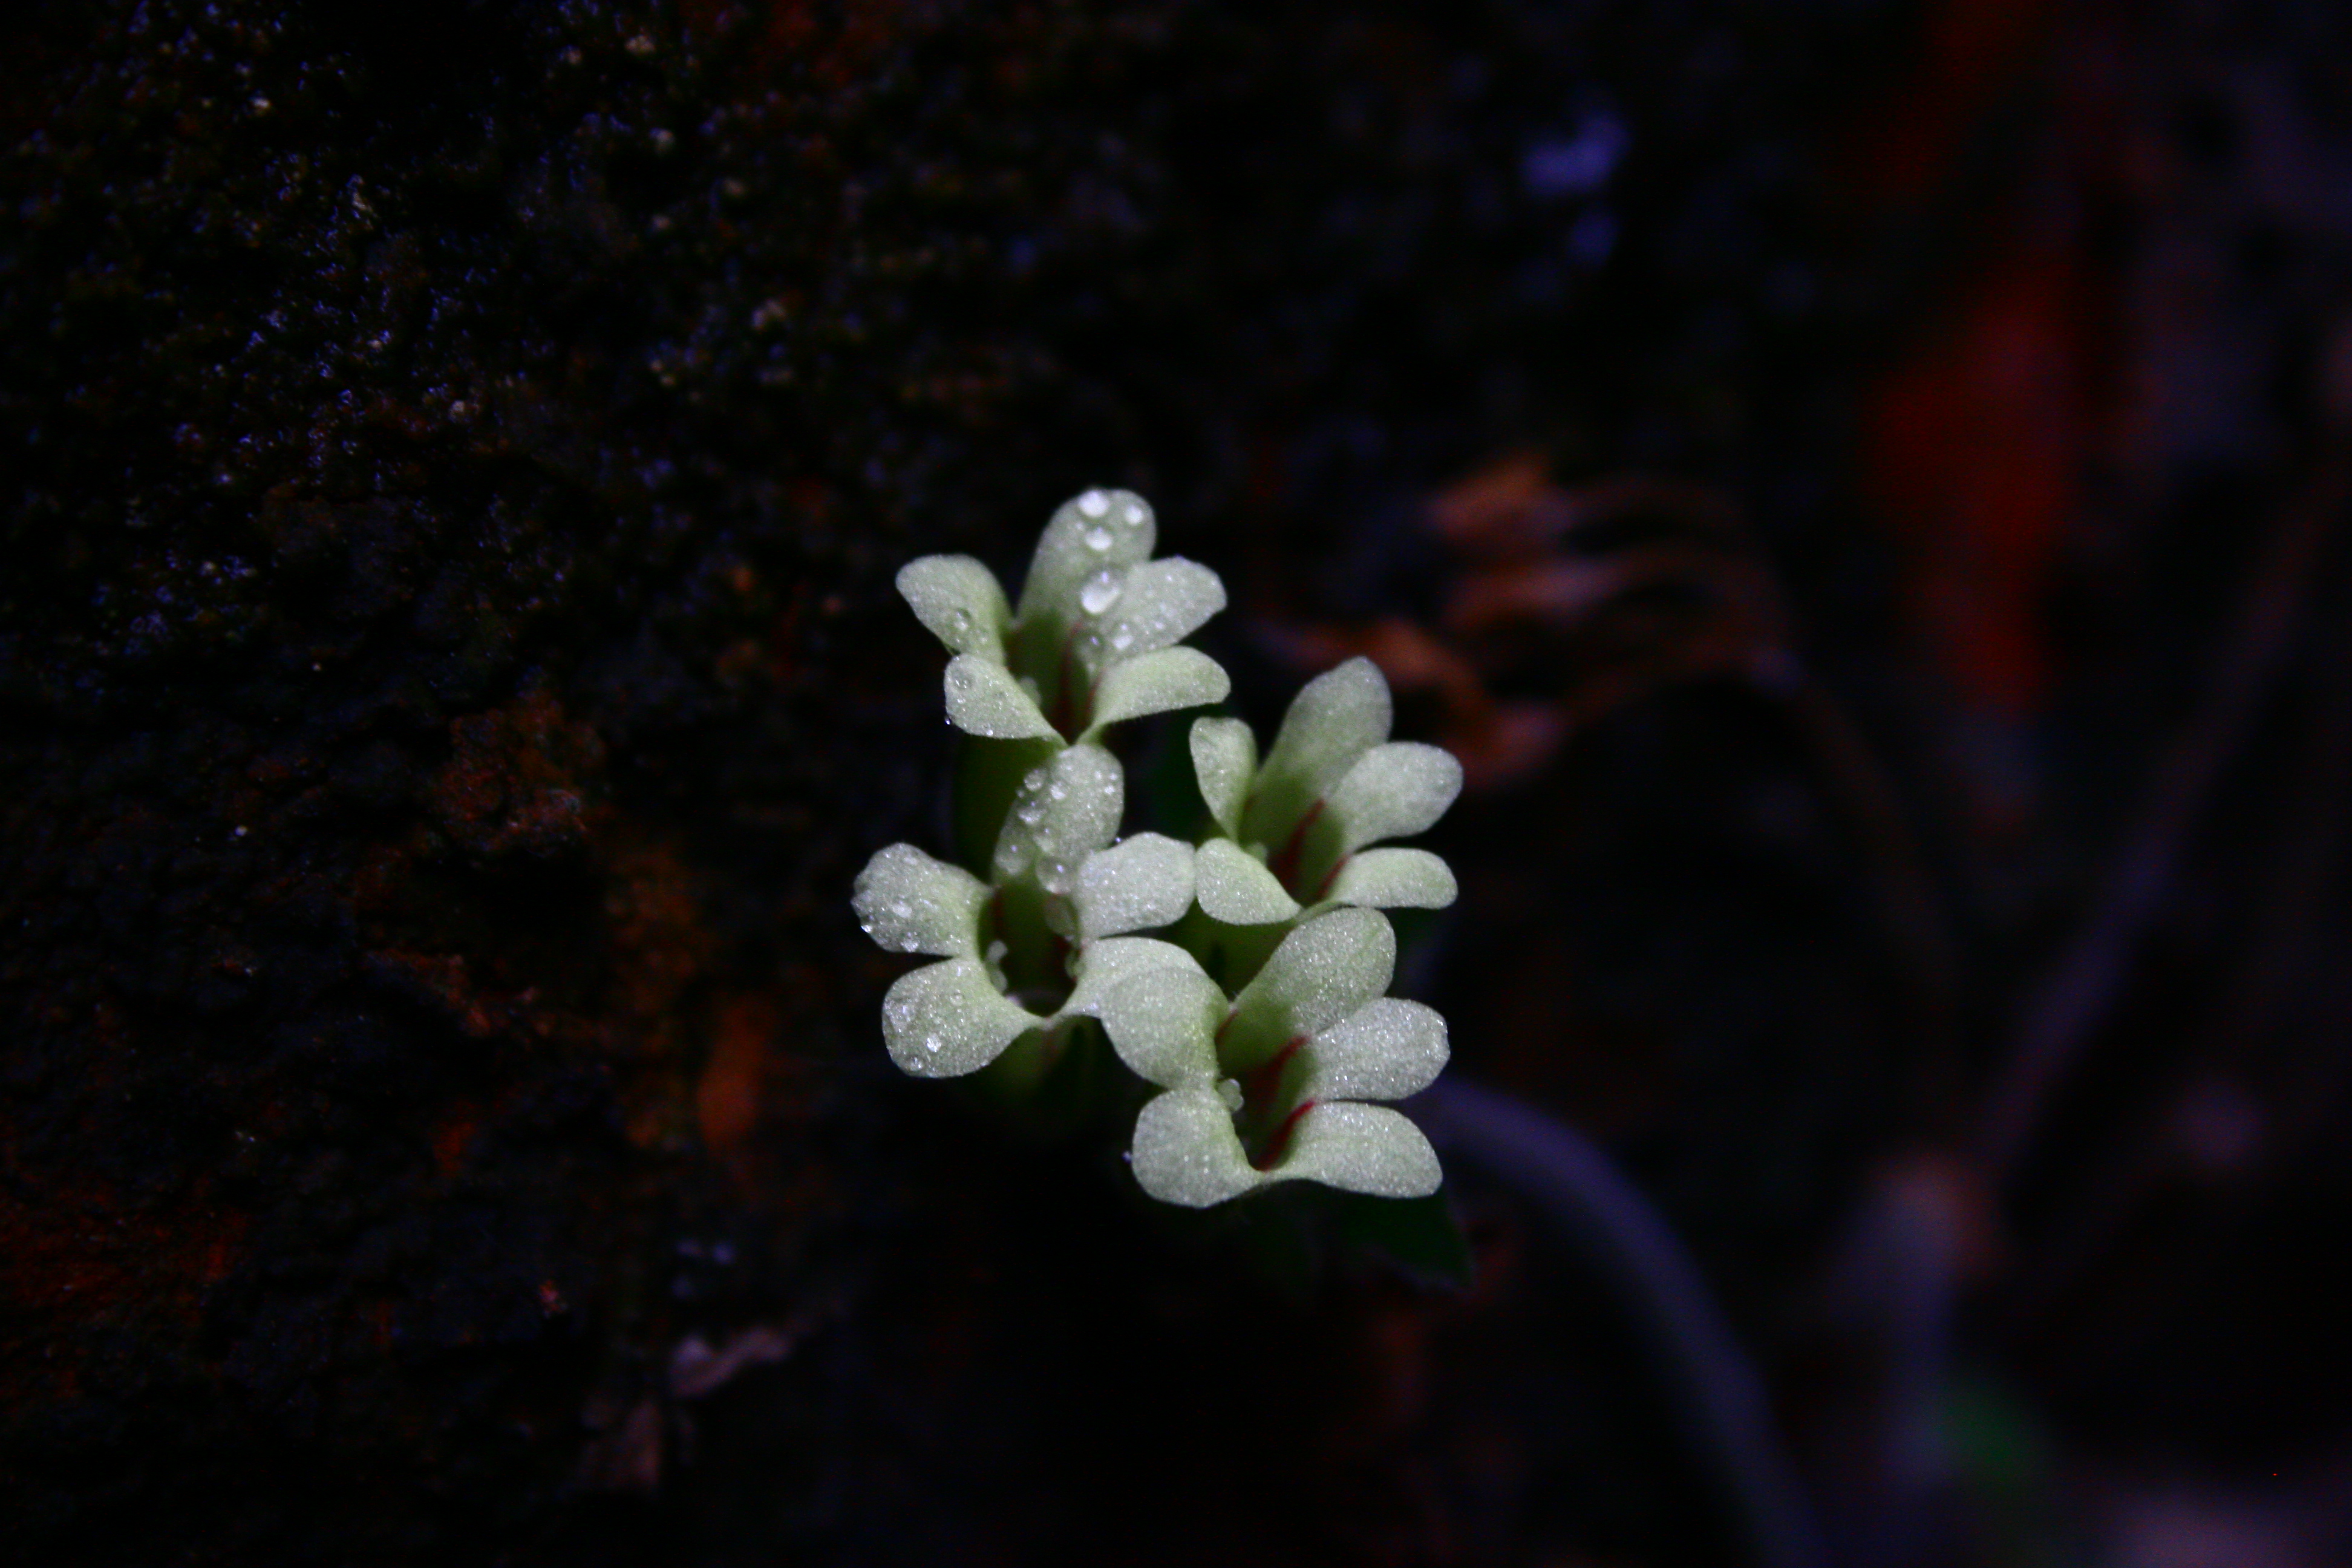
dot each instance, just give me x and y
(1972, 446)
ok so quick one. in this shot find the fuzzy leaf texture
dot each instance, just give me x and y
(1236, 887)
(911, 903)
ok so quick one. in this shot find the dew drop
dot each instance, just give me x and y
(1036, 779)
(1133, 517)
(961, 620)
(1101, 592)
(1230, 1091)
(1058, 791)
(1098, 539)
(902, 908)
(1121, 640)
(931, 1043)
(1094, 504)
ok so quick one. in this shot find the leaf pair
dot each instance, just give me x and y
(1271, 1087)
(1093, 642)
(1056, 863)
(1295, 828)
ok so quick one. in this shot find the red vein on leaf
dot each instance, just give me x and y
(1278, 1143)
(1284, 864)
(1063, 718)
(1264, 1078)
(1323, 888)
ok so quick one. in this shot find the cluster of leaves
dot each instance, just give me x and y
(1257, 1016)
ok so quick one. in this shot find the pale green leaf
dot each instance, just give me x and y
(1394, 791)
(1392, 880)
(1102, 965)
(1086, 794)
(1157, 683)
(1325, 969)
(948, 1019)
(1336, 718)
(1157, 604)
(984, 699)
(1064, 810)
(911, 903)
(960, 599)
(1186, 1150)
(1235, 886)
(1141, 882)
(1360, 1149)
(1098, 531)
(1163, 1023)
(1224, 759)
(1386, 1049)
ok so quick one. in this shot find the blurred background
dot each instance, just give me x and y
(1860, 483)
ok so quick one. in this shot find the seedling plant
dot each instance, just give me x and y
(1239, 972)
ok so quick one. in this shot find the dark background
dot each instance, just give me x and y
(1858, 481)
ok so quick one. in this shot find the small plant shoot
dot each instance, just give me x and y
(1240, 975)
